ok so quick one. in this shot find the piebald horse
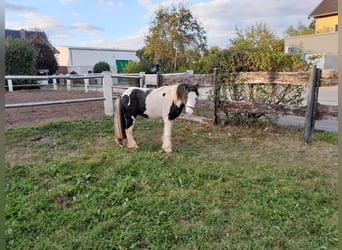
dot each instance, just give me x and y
(165, 103)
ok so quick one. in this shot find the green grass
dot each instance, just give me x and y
(69, 186)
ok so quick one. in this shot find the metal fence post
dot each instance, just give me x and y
(68, 84)
(142, 79)
(86, 84)
(10, 85)
(108, 93)
(54, 83)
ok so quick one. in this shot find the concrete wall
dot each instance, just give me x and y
(82, 59)
(324, 44)
(317, 43)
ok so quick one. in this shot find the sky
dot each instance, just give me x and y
(123, 24)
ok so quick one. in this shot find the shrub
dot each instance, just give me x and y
(20, 59)
(46, 58)
(101, 66)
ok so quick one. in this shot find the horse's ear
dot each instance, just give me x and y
(182, 92)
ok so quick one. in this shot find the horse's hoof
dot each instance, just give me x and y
(167, 150)
(133, 146)
(121, 142)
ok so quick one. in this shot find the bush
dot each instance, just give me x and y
(101, 66)
(20, 59)
(46, 58)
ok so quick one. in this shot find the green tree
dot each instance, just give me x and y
(208, 61)
(143, 65)
(100, 67)
(175, 38)
(258, 49)
(301, 29)
(46, 58)
(20, 57)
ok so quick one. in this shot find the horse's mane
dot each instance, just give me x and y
(180, 93)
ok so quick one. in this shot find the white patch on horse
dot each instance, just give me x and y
(190, 104)
(158, 103)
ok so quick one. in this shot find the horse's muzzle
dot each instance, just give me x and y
(189, 110)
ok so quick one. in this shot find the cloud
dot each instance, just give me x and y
(33, 20)
(87, 28)
(30, 18)
(19, 8)
(219, 18)
(66, 1)
(109, 5)
(152, 7)
(133, 42)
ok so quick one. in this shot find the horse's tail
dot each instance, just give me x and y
(119, 126)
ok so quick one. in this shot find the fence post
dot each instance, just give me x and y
(86, 84)
(54, 83)
(314, 82)
(215, 98)
(142, 79)
(68, 84)
(10, 85)
(108, 93)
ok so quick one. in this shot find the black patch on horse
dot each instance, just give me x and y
(134, 105)
(175, 111)
(193, 88)
(182, 92)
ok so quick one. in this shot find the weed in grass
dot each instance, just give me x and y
(327, 137)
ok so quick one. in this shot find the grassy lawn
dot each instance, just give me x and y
(69, 186)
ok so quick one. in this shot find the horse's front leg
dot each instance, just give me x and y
(129, 133)
(167, 147)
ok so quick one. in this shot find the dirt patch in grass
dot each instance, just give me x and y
(20, 117)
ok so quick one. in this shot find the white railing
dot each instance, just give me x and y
(54, 78)
(107, 84)
(107, 87)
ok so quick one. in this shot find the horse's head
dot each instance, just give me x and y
(188, 94)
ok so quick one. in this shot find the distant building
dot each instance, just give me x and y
(30, 36)
(326, 15)
(322, 45)
(82, 59)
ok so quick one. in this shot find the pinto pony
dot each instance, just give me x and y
(165, 103)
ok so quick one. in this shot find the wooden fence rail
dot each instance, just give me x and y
(312, 111)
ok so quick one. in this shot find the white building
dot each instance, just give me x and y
(82, 59)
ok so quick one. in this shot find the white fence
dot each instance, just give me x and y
(68, 78)
(106, 84)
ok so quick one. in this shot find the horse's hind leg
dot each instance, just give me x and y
(130, 139)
